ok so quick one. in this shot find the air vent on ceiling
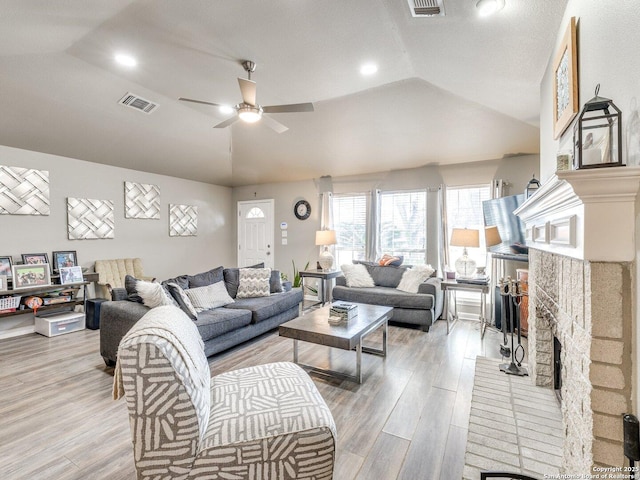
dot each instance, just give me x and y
(132, 100)
(426, 8)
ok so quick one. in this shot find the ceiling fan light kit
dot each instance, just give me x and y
(489, 7)
(249, 113)
(249, 110)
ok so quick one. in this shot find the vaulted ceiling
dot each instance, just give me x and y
(453, 88)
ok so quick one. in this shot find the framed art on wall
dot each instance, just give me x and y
(565, 81)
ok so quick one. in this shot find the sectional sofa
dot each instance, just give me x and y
(221, 328)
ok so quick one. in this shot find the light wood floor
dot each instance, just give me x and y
(408, 420)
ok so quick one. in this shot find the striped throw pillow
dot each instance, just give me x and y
(254, 282)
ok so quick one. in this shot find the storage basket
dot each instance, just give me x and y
(7, 303)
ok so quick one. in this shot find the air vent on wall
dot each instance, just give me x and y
(132, 100)
(426, 8)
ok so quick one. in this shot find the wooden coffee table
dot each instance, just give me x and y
(313, 327)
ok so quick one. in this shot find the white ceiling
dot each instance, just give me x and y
(449, 89)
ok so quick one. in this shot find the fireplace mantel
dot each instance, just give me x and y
(586, 214)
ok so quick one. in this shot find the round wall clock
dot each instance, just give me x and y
(302, 210)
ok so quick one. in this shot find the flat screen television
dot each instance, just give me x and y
(499, 212)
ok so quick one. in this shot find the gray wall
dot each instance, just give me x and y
(162, 256)
(517, 171)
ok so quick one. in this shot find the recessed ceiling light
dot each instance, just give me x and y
(125, 60)
(368, 69)
(225, 109)
(489, 7)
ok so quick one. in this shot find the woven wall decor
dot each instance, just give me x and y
(24, 191)
(183, 220)
(141, 200)
(90, 219)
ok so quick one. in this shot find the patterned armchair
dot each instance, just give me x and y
(111, 274)
(257, 423)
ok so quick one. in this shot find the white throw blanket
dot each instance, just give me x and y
(170, 323)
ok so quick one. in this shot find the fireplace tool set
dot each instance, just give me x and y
(511, 294)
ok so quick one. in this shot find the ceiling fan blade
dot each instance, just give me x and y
(227, 122)
(200, 101)
(294, 107)
(248, 89)
(274, 124)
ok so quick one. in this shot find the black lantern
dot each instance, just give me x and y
(532, 187)
(597, 137)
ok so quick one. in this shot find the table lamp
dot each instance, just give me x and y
(464, 237)
(326, 238)
(492, 236)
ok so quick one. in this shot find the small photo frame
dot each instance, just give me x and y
(31, 275)
(71, 275)
(5, 266)
(35, 258)
(68, 258)
(3, 283)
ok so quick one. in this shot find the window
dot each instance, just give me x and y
(403, 225)
(464, 210)
(350, 223)
(255, 212)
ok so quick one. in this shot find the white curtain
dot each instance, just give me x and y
(373, 227)
(326, 211)
(444, 229)
(497, 188)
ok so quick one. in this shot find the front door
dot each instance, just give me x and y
(255, 233)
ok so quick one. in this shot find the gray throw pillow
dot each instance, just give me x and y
(206, 278)
(275, 283)
(182, 281)
(130, 286)
(182, 300)
(209, 296)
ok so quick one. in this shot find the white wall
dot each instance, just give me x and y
(301, 233)
(608, 39)
(162, 256)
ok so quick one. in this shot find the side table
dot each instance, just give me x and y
(325, 282)
(449, 286)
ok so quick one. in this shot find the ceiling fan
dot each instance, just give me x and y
(248, 110)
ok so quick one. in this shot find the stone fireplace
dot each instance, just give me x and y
(580, 230)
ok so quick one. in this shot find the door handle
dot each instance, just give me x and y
(268, 253)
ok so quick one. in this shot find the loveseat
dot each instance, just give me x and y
(422, 308)
(220, 328)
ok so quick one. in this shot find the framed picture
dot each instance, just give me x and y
(35, 258)
(3, 282)
(565, 81)
(31, 275)
(64, 259)
(5, 266)
(71, 275)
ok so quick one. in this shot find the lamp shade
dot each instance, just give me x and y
(326, 237)
(465, 237)
(492, 236)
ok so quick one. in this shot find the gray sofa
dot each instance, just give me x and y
(221, 328)
(422, 308)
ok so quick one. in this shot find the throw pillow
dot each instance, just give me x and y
(357, 275)
(232, 278)
(206, 278)
(390, 260)
(254, 282)
(209, 296)
(153, 294)
(182, 300)
(413, 277)
(275, 282)
(130, 286)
